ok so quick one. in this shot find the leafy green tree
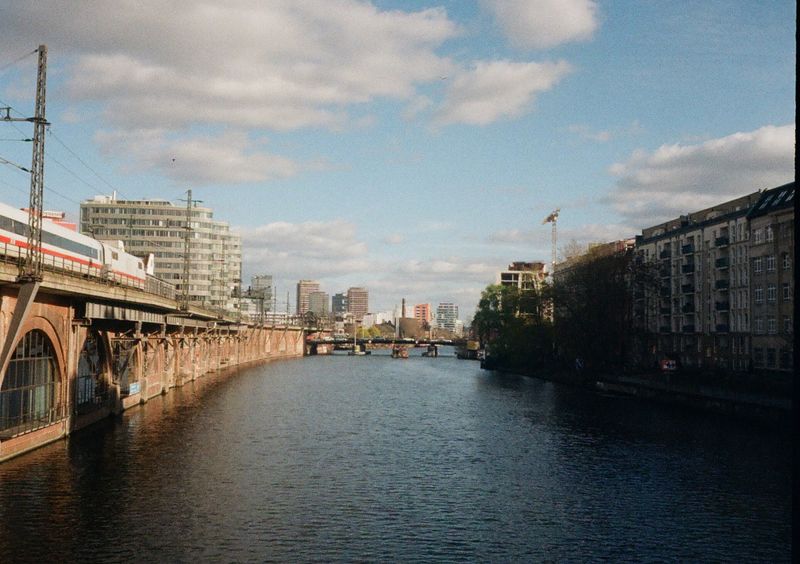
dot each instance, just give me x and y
(513, 325)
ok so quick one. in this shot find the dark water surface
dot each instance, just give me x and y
(374, 459)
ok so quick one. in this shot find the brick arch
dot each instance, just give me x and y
(45, 326)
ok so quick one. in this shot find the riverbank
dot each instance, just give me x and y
(698, 394)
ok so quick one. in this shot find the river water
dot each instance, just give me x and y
(377, 459)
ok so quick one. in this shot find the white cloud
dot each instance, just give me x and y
(279, 65)
(676, 179)
(229, 158)
(540, 24)
(493, 90)
(601, 136)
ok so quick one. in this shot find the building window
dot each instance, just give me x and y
(28, 398)
(787, 292)
(787, 261)
(787, 325)
(757, 236)
(771, 263)
(772, 325)
(758, 323)
(758, 356)
(770, 236)
(772, 293)
(758, 295)
(758, 265)
(771, 358)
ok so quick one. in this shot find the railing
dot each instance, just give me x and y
(721, 262)
(687, 249)
(687, 268)
(687, 288)
(687, 308)
(12, 254)
(665, 254)
(665, 310)
(721, 284)
(722, 306)
(665, 272)
(26, 423)
(722, 328)
(721, 241)
(687, 329)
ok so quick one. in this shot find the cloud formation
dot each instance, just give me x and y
(541, 24)
(676, 179)
(229, 158)
(279, 65)
(492, 90)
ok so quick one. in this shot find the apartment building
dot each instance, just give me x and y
(522, 275)
(772, 279)
(710, 301)
(160, 227)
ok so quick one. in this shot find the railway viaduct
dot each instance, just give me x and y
(75, 351)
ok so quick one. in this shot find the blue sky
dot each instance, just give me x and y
(410, 147)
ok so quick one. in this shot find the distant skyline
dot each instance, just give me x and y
(412, 148)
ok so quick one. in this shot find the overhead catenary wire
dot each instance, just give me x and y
(6, 66)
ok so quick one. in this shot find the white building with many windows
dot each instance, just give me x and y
(160, 227)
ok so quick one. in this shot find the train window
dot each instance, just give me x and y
(114, 255)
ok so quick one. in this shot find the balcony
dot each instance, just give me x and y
(721, 284)
(721, 262)
(687, 288)
(722, 328)
(722, 306)
(687, 268)
(665, 254)
(687, 329)
(687, 308)
(721, 241)
(687, 249)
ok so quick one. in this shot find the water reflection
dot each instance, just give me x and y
(370, 458)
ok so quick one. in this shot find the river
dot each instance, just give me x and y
(370, 458)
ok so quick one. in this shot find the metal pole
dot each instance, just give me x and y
(32, 268)
(186, 248)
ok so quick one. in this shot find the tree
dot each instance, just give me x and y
(592, 308)
(512, 325)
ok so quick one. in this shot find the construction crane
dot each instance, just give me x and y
(553, 218)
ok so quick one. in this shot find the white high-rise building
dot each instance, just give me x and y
(159, 227)
(446, 316)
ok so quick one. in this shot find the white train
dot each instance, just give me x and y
(65, 249)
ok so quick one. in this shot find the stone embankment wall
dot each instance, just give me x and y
(103, 366)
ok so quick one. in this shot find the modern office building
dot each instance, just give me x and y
(304, 290)
(160, 227)
(318, 303)
(723, 284)
(262, 288)
(339, 304)
(357, 302)
(446, 316)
